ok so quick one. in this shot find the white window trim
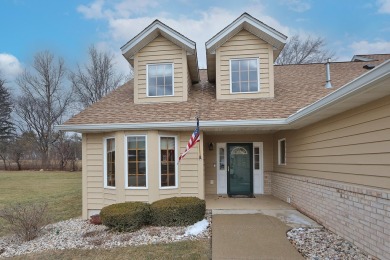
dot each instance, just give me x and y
(285, 152)
(127, 165)
(258, 75)
(176, 165)
(105, 163)
(173, 79)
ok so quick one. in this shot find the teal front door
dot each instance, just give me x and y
(240, 169)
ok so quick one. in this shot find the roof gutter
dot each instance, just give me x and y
(358, 85)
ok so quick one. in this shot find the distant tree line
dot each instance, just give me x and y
(49, 94)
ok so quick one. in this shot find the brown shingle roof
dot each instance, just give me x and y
(296, 86)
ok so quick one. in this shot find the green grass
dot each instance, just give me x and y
(199, 249)
(61, 190)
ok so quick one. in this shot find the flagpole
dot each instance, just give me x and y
(197, 124)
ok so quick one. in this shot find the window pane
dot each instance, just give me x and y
(244, 87)
(243, 65)
(132, 180)
(234, 65)
(253, 65)
(168, 70)
(253, 86)
(221, 158)
(131, 142)
(132, 155)
(141, 168)
(132, 168)
(141, 155)
(168, 80)
(136, 161)
(171, 180)
(235, 76)
(141, 142)
(257, 158)
(110, 162)
(244, 76)
(164, 180)
(168, 161)
(152, 71)
(141, 181)
(152, 91)
(160, 90)
(253, 76)
(160, 79)
(160, 70)
(168, 90)
(235, 87)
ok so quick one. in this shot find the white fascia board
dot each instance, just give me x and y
(246, 18)
(157, 25)
(353, 87)
(169, 125)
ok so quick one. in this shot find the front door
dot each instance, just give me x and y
(240, 169)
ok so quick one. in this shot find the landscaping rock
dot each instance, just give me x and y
(320, 243)
(78, 233)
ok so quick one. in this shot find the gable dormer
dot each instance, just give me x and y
(240, 59)
(165, 64)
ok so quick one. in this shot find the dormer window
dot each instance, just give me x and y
(244, 75)
(159, 79)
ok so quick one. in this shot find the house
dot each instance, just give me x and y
(264, 129)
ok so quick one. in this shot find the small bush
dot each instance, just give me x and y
(26, 220)
(177, 211)
(127, 216)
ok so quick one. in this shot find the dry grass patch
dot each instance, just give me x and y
(61, 190)
(198, 249)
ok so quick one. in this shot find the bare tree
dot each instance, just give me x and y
(300, 50)
(96, 79)
(44, 100)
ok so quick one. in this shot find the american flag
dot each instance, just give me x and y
(195, 137)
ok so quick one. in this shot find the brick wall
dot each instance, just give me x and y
(267, 183)
(359, 214)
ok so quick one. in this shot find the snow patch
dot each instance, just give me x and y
(297, 219)
(197, 228)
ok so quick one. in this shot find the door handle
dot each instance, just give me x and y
(228, 168)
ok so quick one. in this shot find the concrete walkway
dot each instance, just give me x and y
(250, 236)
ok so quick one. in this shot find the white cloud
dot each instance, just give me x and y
(365, 47)
(297, 5)
(10, 66)
(93, 10)
(127, 18)
(384, 6)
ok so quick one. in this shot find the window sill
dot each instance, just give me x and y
(168, 188)
(136, 188)
(110, 188)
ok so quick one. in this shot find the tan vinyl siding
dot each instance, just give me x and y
(211, 156)
(95, 196)
(161, 50)
(352, 147)
(244, 45)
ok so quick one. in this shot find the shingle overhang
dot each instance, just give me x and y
(154, 30)
(368, 87)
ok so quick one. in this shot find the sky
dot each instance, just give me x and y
(68, 28)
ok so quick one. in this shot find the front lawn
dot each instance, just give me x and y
(61, 190)
(198, 249)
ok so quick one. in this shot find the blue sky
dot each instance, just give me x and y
(68, 27)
